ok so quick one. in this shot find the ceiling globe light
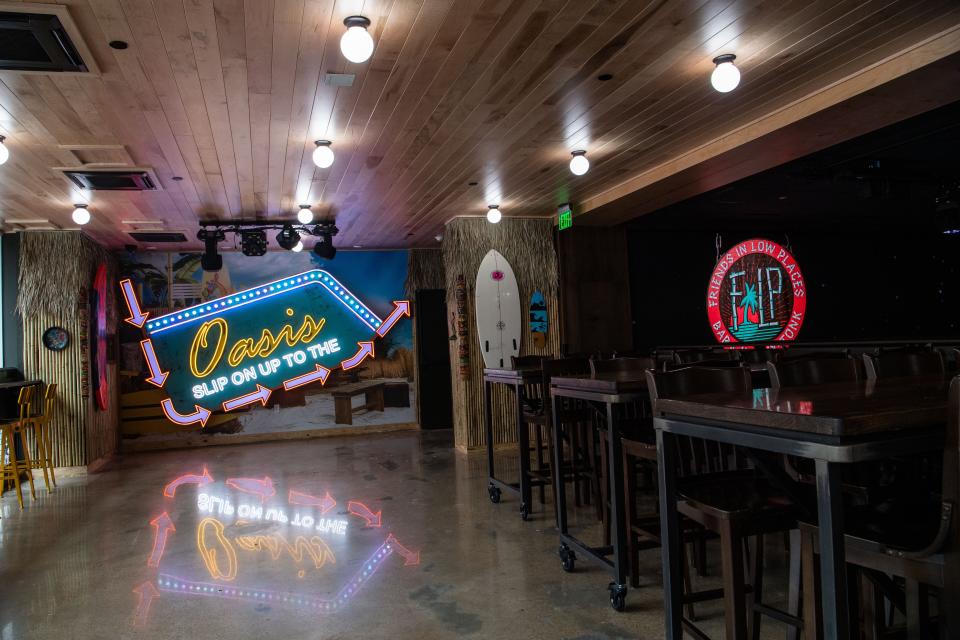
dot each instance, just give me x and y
(297, 248)
(726, 76)
(356, 43)
(305, 216)
(4, 152)
(493, 214)
(81, 215)
(323, 154)
(579, 164)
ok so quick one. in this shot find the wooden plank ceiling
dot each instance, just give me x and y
(464, 103)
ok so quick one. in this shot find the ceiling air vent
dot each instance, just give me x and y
(40, 38)
(158, 236)
(114, 179)
(339, 79)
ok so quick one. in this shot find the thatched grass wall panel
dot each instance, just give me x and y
(528, 246)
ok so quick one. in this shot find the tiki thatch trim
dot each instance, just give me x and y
(56, 268)
(526, 243)
(424, 271)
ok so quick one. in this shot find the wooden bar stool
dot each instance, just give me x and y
(8, 451)
(40, 424)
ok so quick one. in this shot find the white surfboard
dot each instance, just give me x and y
(498, 312)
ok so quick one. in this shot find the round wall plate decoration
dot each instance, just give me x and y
(756, 294)
(56, 338)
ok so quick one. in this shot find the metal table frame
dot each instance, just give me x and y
(570, 546)
(829, 454)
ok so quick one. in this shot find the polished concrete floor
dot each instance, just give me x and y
(280, 540)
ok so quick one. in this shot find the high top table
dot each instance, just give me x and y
(832, 425)
(604, 391)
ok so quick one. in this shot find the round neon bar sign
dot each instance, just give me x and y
(756, 294)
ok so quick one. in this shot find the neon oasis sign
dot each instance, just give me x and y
(756, 294)
(232, 352)
(293, 545)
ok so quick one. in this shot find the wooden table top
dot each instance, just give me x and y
(525, 375)
(847, 409)
(613, 383)
(19, 383)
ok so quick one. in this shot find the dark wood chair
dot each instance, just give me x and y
(536, 416)
(722, 493)
(621, 365)
(690, 356)
(917, 540)
(902, 364)
(799, 372)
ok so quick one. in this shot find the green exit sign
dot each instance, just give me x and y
(564, 217)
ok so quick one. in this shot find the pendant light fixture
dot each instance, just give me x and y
(493, 213)
(323, 154)
(726, 76)
(579, 164)
(305, 216)
(4, 152)
(356, 43)
(81, 215)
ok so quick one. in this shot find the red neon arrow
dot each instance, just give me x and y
(325, 503)
(366, 349)
(363, 511)
(201, 415)
(163, 526)
(261, 395)
(400, 308)
(321, 374)
(137, 317)
(157, 376)
(263, 488)
(410, 557)
(147, 593)
(188, 478)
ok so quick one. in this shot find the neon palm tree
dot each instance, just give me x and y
(749, 301)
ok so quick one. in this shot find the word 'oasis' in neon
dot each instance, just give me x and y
(756, 294)
(232, 352)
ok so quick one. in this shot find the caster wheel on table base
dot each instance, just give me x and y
(494, 494)
(618, 596)
(524, 511)
(568, 559)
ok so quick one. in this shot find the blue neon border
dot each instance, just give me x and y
(213, 308)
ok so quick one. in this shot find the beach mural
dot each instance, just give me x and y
(283, 343)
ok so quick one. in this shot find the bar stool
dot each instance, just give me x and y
(40, 424)
(8, 451)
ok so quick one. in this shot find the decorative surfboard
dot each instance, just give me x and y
(499, 321)
(538, 319)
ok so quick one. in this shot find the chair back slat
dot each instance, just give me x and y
(700, 355)
(23, 401)
(902, 364)
(811, 371)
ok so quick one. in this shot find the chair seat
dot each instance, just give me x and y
(733, 494)
(905, 525)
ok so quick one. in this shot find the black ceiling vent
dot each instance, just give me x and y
(158, 236)
(112, 179)
(37, 42)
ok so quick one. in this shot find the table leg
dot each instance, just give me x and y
(671, 550)
(618, 589)
(560, 499)
(492, 489)
(833, 566)
(523, 443)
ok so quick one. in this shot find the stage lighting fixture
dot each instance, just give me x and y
(324, 247)
(211, 260)
(288, 238)
(253, 242)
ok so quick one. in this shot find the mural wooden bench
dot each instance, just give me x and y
(343, 399)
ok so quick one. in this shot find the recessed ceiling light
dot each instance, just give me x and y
(603, 77)
(725, 76)
(177, 178)
(438, 237)
(118, 44)
(358, 246)
(472, 184)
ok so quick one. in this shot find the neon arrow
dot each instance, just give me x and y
(189, 478)
(410, 557)
(263, 488)
(400, 308)
(201, 415)
(163, 526)
(137, 317)
(261, 395)
(147, 593)
(321, 374)
(325, 503)
(157, 376)
(363, 511)
(366, 349)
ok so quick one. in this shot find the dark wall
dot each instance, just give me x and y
(12, 328)
(861, 286)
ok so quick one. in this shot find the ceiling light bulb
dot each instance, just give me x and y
(579, 164)
(493, 214)
(305, 216)
(323, 154)
(297, 248)
(80, 214)
(726, 76)
(356, 43)
(4, 152)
